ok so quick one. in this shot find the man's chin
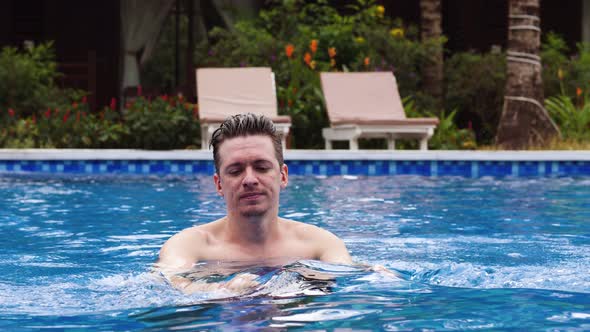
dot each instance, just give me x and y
(251, 213)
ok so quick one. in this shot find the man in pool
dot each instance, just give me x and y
(250, 173)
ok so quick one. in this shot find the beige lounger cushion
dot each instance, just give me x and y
(365, 98)
(224, 92)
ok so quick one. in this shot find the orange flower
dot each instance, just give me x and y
(367, 61)
(578, 92)
(332, 52)
(196, 111)
(307, 58)
(313, 45)
(289, 49)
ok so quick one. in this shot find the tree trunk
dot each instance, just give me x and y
(524, 121)
(431, 28)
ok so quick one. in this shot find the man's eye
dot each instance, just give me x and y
(262, 168)
(234, 171)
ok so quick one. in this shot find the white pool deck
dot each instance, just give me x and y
(120, 154)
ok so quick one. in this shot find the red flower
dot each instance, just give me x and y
(48, 113)
(139, 91)
(84, 100)
(113, 104)
(66, 116)
(74, 105)
(11, 112)
(34, 118)
(164, 97)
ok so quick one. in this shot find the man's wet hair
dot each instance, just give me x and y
(242, 125)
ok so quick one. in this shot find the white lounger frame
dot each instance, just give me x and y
(352, 133)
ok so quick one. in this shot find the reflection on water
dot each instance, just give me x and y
(268, 278)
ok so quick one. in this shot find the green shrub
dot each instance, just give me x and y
(164, 123)
(474, 85)
(27, 80)
(448, 136)
(555, 64)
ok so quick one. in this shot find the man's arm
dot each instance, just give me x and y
(181, 252)
(332, 249)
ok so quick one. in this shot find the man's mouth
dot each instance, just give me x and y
(251, 196)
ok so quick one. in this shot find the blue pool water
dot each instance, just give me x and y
(484, 253)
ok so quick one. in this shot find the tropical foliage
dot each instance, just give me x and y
(299, 39)
(572, 118)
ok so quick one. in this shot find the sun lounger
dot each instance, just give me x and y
(368, 105)
(223, 92)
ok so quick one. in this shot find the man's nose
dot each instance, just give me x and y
(250, 178)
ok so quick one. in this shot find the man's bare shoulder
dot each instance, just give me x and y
(185, 247)
(329, 247)
(307, 232)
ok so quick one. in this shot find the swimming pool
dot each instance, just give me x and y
(473, 253)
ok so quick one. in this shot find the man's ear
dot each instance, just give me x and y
(284, 176)
(218, 187)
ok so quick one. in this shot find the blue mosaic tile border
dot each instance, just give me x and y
(109, 166)
(310, 167)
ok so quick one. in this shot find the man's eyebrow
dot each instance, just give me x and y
(235, 164)
(260, 161)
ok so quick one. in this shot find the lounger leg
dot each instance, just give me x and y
(391, 143)
(424, 144)
(328, 144)
(204, 139)
(354, 144)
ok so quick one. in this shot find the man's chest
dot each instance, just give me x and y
(287, 248)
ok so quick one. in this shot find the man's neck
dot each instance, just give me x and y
(251, 231)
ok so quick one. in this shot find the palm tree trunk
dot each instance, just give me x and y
(524, 121)
(431, 28)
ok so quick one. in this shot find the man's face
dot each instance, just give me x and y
(250, 178)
